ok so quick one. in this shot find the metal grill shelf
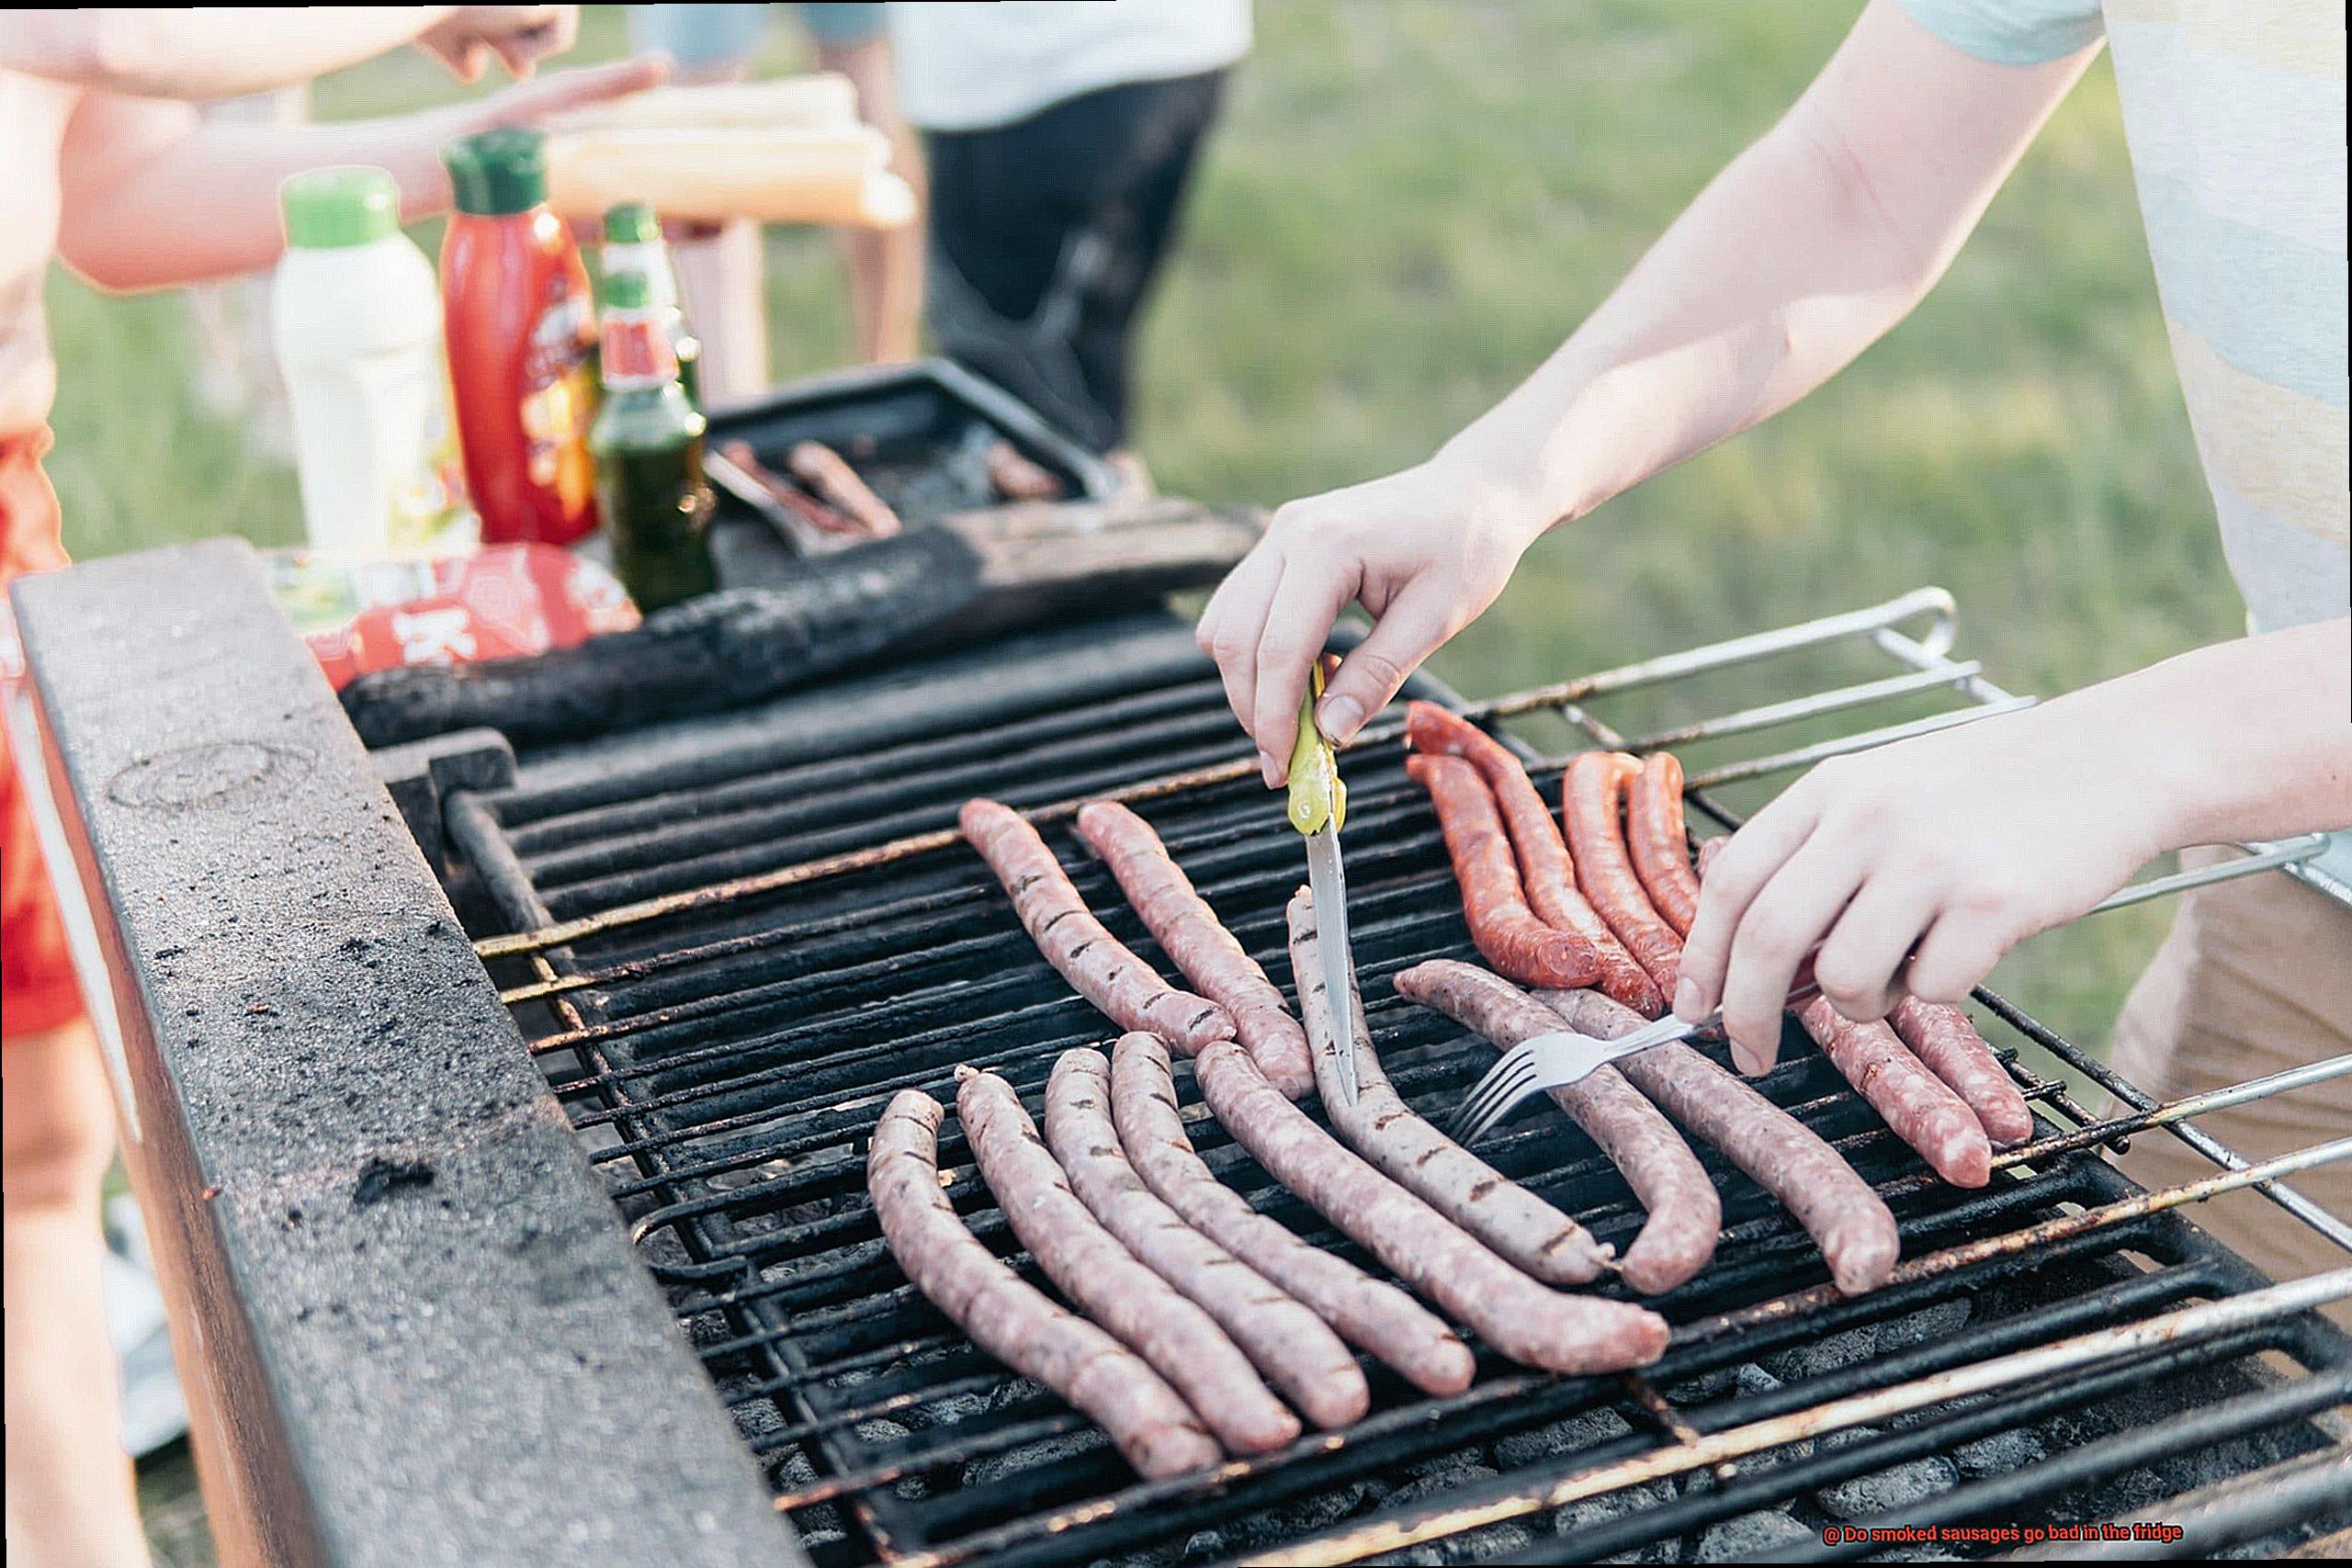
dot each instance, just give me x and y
(724, 1037)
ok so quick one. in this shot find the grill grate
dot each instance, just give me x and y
(723, 1029)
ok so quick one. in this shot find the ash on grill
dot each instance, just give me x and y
(733, 940)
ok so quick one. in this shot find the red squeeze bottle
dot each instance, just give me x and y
(521, 331)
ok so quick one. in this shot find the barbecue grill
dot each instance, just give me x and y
(724, 943)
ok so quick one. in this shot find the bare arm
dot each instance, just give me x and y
(153, 198)
(1800, 254)
(180, 53)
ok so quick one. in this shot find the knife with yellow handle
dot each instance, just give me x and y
(1318, 807)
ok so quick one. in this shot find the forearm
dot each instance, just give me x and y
(1772, 280)
(231, 174)
(1799, 255)
(2239, 740)
(176, 53)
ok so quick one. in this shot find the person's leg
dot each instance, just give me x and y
(70, 1495)
(2250, 981)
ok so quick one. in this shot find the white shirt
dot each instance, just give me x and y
(975, 67)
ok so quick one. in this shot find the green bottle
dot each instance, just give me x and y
(633, 244)
(647, 444)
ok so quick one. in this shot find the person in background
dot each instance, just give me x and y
(1060, 138)
(1916, 866)
(723, 275)
(105, 165)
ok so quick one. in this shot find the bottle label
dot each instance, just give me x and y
(559, 395)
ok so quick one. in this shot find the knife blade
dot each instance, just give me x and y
(1328, 880)
(1318, 806)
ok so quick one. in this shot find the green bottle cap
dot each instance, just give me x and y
(625, 290)
(344, 205)
(631, 223)
(496, 173)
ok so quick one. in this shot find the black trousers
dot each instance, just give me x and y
(1045, 235)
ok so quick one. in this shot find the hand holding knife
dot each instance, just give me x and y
(1318, 806)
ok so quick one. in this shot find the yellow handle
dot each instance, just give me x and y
(1317, 794)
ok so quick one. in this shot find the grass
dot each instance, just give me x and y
(1409, 203)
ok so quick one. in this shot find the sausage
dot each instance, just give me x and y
(1660, 845)
(1516, 1225)
(1950, 1047)
(1527, 1322)
(1853, 1227)
(786, 494)
(1493, 903)
(1678, 1237)
(1545, 872)
(1103, 1279)
(1018, 477)
(827, 473)
(1590, 797)
(1096, 963)
(1296, 1350)
(1196, 942)
(1368, 1313)
(1011, 1319)
(1920, 1107)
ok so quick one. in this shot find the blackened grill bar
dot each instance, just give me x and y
(747, 1030)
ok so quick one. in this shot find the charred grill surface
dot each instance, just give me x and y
(726, 1062)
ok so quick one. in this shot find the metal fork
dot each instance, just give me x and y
(1562, 1057)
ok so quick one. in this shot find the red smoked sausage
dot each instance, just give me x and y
(1590, 800)
(1661, 845)
(1506, 931)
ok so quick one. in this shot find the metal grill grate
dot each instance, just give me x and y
(736, 940)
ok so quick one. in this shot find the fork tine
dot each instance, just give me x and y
(1501, 1106)
(1503, 1068)
(1493, 1099)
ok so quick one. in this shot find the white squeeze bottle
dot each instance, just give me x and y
(357, 321)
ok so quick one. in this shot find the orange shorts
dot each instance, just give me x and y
(37, 987)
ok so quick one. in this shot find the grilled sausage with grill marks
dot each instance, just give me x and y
(1592, 799)
(1920, 1107)
(1684, 1212)
(1516, 1225)
(1196, 942)
(1097, 965)
(1493, 902)
(1007, 1317)
(1660, 842)
(1950, 1047)
(1090, 1266)
(1370, 1313)
(1545, 872)
(1296, 1350)
(828, 473)
(1527, 1322)
(1838, 1210)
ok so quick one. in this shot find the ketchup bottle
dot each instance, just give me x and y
(521, 332)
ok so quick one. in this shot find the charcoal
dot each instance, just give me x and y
(948, 1412)
(1446, 1466)
(1925, 1326)
(1489, 1543)
(1588, 1429)
(1256, 1532)
(1829, 1353)
(1705, 1386)
(1030, 1456)
(1588, 1512)
(1892, 1490)
(1998, 1454)
(1014, 1391)
(1744, 1535)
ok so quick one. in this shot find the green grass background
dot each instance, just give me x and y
(1407, 203)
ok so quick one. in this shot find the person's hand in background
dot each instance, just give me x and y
(1425, 551)
(521, 36)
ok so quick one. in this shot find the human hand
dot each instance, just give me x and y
(1424, 551)
(521, 36)
(1948, 850)
(527, 103)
